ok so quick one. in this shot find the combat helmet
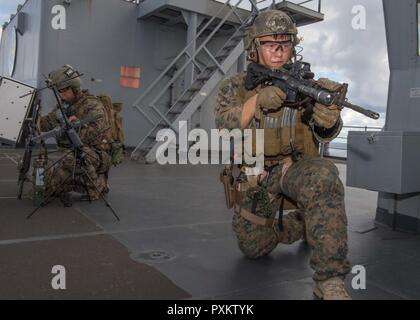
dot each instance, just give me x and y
(269, 22)
(65, 77)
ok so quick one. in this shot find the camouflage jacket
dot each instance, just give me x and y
(86, 105)
(231, 98)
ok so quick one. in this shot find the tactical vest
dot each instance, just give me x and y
(284, 130)
(78, 109)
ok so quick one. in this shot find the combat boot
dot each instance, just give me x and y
(106, 189)
(65, 199)
(331, 289)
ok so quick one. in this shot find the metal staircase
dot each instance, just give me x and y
(204, 80)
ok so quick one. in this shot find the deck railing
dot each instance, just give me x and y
(327, 150)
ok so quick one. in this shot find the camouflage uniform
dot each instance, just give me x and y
(311, 182)
(59, 178)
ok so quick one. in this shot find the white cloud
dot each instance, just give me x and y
(357, 57)
(353, 118)
(7, 8)
(335, 51)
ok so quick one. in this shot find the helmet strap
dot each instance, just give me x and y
(76, 92)
(253, 52)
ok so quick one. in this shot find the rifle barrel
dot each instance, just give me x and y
(366, 112)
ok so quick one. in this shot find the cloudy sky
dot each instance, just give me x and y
(358, 57)
(336, 51)
(8, 7)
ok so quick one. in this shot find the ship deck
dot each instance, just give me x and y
(174, 241)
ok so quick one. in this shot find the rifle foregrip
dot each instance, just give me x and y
(320, 96)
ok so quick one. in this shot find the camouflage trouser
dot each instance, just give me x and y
(316, 188)
(66, 174)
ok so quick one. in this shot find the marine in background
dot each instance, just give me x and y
(66, 175)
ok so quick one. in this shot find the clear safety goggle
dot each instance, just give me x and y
(275, 46)
(64, 90)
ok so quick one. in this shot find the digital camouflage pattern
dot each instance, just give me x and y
(317, 189)
(313, 183)
(257, 241)
(272, 22)
(86, 105)
(232, 95)
(59, 178)
(269, 22)
(93, 136)
(65, 77)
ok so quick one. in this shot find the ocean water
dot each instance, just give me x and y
(337, 149)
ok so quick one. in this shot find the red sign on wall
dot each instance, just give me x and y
(130, 77)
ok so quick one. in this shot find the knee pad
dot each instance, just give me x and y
(253, 240)
(325, 175)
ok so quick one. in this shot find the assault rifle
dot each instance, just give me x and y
(59, 131)
(31, 130)
(297, 81)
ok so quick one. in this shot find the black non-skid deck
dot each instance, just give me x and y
(174, 241)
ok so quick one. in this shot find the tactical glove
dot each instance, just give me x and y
(326, 116)
(270, 98)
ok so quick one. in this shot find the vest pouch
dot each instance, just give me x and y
(117, 153)
(311, 146)
(285, 136)
(226, 178)
(297, 135)
(272, 142)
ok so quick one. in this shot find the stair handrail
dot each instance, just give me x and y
(186, 89)
(163, 73)
(136, 149)
(189, 60)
